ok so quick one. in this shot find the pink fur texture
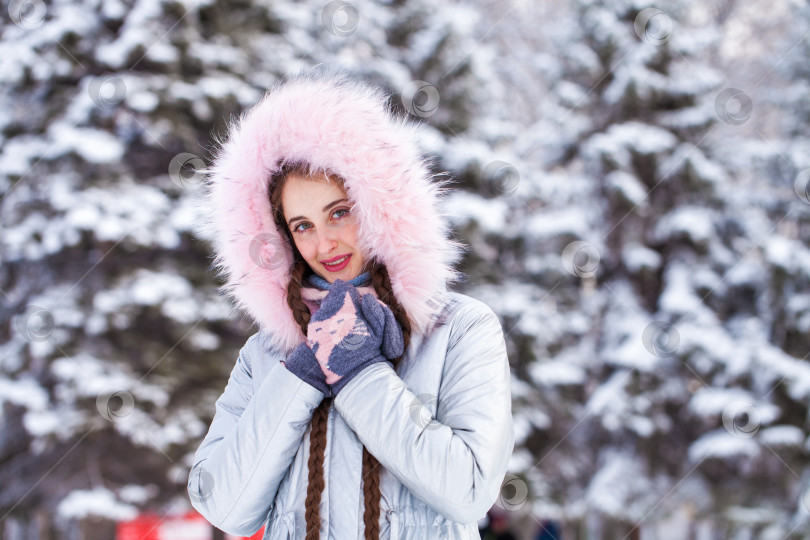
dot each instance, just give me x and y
(339, 123)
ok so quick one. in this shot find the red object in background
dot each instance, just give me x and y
(188, 526)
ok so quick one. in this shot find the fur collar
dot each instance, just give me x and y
(337, 122)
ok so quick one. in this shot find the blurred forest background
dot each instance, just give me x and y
(632, 179)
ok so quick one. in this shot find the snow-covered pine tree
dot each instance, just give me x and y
(681, 376)
(115, 343)
(623, 227)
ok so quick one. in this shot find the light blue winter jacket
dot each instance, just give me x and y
(440, 425)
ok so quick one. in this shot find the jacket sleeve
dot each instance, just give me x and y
(457, 461)
(251, 443)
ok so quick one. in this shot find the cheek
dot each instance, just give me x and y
(350, 235)
(306, 248)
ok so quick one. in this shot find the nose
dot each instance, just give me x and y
(326, 243)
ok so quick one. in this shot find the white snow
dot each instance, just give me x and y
(556, 372)
(143, 101)
(788, 253)
(782, 435)
(622, 487)
(620, 139)
(799, 306)
(490, 214)
(202, 339)
(183, 310)
(711, 402)
(98, 501)
(141, 28)
(133, 493)
(637, 257)
(25, 392)
(695, 223)
(551, 222)
(610, 401)
(701, 167)
(630, 188)
(778, 367)
(93, 145)
(678, 295)
(20, 153)
(151, 288)
(722, 444)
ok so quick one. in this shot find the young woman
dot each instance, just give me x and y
(372, 402)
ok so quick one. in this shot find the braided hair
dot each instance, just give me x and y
(317, 439)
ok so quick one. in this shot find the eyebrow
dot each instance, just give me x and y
(325, 208)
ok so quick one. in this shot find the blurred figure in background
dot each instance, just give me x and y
(497, 527)
(549, 530)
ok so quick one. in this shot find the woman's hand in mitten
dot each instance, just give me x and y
(348, 333)
(380, 316)
(303, 364)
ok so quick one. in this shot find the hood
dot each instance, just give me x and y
(338, 122)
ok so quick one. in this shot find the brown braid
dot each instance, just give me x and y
(371, 471)
(317, 437)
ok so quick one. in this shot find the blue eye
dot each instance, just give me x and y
(298, 230)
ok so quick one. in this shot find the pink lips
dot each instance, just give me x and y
(339, 267)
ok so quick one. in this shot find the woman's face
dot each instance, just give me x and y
(318, 215)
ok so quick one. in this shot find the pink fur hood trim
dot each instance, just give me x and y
(342, 124)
